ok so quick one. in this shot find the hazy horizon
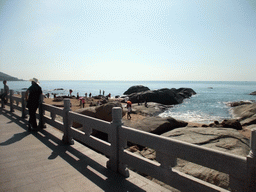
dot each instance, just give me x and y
(121, 40)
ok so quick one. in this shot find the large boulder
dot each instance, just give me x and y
(103, 112)
(136, 89)
(222, 139)
(228, 123)
(89, 111)
(155, 125)
(231, 123)
(245, 113)
(164, 96)
(249, 121)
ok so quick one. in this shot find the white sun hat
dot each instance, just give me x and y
(34, 80)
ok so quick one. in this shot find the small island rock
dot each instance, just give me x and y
(163, 96)
(136, 89)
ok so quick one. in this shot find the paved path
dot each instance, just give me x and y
(38, 161)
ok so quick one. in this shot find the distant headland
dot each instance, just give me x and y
(6, 77)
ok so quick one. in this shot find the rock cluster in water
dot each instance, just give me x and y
(139, 94)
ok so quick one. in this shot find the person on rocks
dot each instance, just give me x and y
(3, 96)
(33, 96)
(138, 99)
(146, 101)
(129, 107)
(70, 92)
(83, 102)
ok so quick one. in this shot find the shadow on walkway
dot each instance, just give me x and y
(104, 178)
(15, 138)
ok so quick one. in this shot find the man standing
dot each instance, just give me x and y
(33, 95)
(6, 92)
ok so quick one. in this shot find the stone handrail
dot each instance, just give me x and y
(241, 170)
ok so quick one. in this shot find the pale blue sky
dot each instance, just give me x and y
(129, 39)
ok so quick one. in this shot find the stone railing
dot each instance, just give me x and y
(241, 170)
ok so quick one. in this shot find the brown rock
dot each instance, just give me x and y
(232, 123)
(155, 125)
(103, 112)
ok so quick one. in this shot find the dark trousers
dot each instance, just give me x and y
(32, 116)
(3, 97)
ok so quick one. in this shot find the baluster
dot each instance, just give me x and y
(116, 124)
(53, 116)
(2, 101)
(23, 102)
(11, 101)
(251, 163)
(67, 138)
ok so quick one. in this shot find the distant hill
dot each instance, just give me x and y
(6, 77)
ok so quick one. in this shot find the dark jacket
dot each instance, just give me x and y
(35, 92)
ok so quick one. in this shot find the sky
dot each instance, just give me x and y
(176, 40)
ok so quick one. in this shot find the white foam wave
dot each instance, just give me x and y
(192, 116)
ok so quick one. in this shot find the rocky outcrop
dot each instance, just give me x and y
(253, 93)
(103, 112)
(249, 121)
(136, 89)
(152, 109)
(155, 125)
(164, 96)
(238, 103)
(231, 123)
(245, 113)
(222, 139)
(228, 123)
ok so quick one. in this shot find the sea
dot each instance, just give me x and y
(211, 103)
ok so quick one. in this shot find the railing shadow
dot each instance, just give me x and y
(104, 178)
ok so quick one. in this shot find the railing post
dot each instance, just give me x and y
(11, 101)
(251, 163)
(41, 113)
(116, 124)
(2, 101)
(23, 104)
(67, 139)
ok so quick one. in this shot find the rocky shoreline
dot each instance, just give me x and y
(230, 136)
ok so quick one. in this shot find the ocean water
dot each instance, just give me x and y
(209, 104)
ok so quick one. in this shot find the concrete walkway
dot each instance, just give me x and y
(38, 161)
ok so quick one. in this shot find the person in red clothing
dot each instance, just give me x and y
(129, 107)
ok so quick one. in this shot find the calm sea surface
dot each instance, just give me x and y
(209, 104)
